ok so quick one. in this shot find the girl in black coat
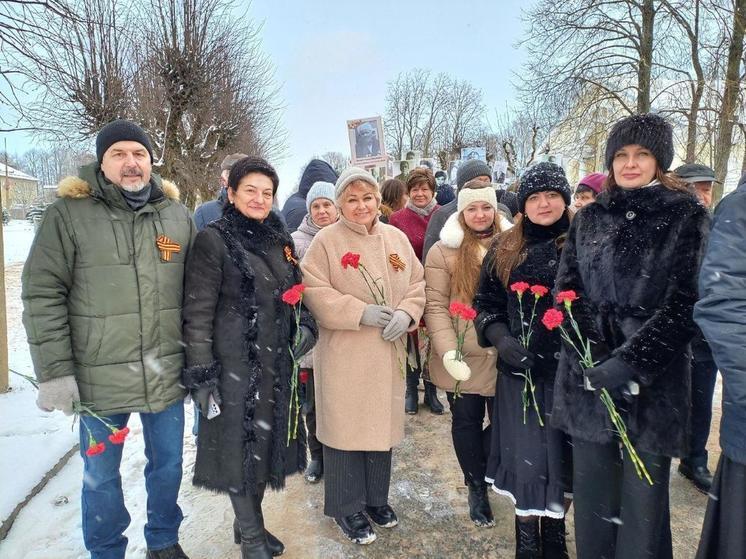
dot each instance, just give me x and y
(632, 258)
(237, 331)
(528, 463)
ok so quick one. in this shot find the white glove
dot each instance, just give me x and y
(459, 370)
(397, 327)
(59, 393)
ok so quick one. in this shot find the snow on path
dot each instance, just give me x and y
(17, 238)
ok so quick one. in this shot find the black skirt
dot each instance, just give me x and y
(724, 528)
(528, 463)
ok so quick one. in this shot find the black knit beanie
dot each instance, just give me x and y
(471, 169)
(121, 131)
(648, 130)
(540, 177)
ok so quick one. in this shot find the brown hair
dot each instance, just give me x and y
(419, 176)
(465, 277)
(510, 248)
(392, 192)
(669, 180)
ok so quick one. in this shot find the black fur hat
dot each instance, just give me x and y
(648, 130)
(543, 176)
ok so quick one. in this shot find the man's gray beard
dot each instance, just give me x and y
(133, 187)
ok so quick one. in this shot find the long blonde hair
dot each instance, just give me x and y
(465, 277)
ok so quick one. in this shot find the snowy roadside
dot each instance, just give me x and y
(32, 442)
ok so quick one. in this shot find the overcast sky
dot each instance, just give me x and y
(333, 60)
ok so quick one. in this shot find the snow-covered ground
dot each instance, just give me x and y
(31, 441)
(17, 238)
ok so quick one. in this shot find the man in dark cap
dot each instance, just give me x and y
(212, 210)
(704, 370)
(700, 179)
(102, 294)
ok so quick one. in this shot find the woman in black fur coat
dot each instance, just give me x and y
(528, 463)
(237, 331)
(632, 258)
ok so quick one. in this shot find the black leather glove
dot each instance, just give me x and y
(610, 374)
(509, 349)
(305, 342)
(201, 397)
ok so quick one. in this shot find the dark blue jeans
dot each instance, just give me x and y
(704, 375)
(105, 518)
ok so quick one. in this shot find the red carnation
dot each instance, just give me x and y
(519, 287)
(350, 259)
(292, 296)
(468, 313)
(118, 436)
(567, 297)
(455, 308)
(552, 319)
(303, 376)
(299, 287)
(95, 448)
(539, 290)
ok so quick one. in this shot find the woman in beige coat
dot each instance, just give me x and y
(361, 351)
(452, 274)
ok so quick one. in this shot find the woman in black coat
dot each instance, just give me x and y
(632, 259)
(529, 463)
(238, 331)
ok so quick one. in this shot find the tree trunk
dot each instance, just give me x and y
(730, 99)
(646, 57)
(697, 92)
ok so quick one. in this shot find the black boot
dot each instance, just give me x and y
(553, 538)
(314, 471)
(411, 397)
(527, 539)
(700, 476)
(173, 552)
(431, 398)
(479, 505)
(276, 547)
(251, 527)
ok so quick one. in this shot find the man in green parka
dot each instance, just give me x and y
(102, 295)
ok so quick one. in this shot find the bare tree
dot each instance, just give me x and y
(731, 87)
(405, 110)
(336, 159)
(577, 45)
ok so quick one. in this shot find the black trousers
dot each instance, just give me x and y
(617, 514)
(354, 479)
(309, 410)
(704, 375)
(471, 440)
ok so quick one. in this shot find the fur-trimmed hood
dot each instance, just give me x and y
(452, 234)
(75, 187)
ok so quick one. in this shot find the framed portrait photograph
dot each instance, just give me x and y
(474, 153)
(366, 140)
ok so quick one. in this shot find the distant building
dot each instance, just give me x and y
(20, 192)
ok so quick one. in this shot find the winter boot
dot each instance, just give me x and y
(527, 539)
(479, 505)
(173, 552)
(411, 397)
(553, 538)
(431, 398)
(276, 547)
(314, 471)
(251, 527)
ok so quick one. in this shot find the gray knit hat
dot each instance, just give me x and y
(540, 177)
(352, 174)
(471, 169)
(320, 189)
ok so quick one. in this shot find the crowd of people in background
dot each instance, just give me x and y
(576, 334)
